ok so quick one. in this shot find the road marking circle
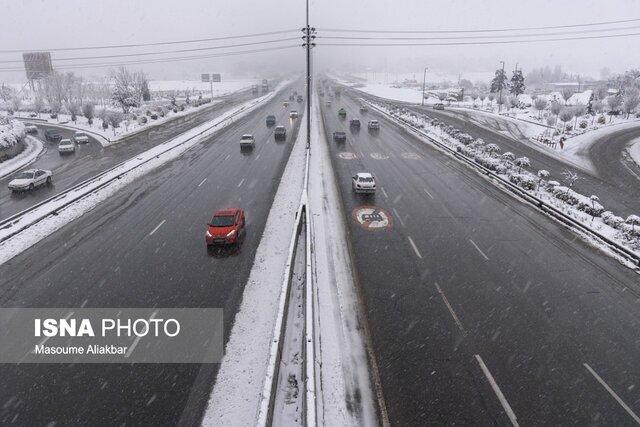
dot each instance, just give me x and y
(347, 155)
(372, 218)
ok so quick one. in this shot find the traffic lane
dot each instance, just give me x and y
(91, 159)
(444, 390)
(123, 254)
(612, 196)
(612, 163)
(466, 248)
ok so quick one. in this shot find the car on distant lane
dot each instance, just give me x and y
(438, 106)
(271, 120)
(66, 146)
(30, 179)
(81, 138)
(247, 141)
(339, 136)
(226, 227)
(374, 125)
(293, 114)
(280, 132)
(342, 113)
(354, 123)
(52, 135)
(363, 182)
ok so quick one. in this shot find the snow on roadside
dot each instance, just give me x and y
(342, 350)
(128, 171)
(634, 150)
(31, 152)
(236, 396)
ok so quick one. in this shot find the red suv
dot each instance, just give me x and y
(225, 227)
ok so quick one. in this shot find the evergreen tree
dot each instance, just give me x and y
(517, 83)
(499, 82)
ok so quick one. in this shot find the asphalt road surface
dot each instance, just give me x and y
(91, 159)
(482, 310)
(144, 247)
(616, 181)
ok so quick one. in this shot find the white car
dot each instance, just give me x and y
(66, 146)
(363, 182)
(30, 179)
(81, 138)
(247, 141)
(293, 114)
(374, 125)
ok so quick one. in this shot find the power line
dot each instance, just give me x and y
(199, 49)
(482, 36)
(483, 30)
(491, 42)
(60, 49)
(162, 60)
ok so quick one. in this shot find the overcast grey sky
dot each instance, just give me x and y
(31, 24)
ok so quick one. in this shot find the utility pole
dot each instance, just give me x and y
(500, 94)
(308, 44)
(424, 80)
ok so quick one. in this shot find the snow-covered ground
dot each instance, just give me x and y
(95, 190)
(219, 88)
(634, 150)
(33, 148)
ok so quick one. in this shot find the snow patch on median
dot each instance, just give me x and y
(31, 152)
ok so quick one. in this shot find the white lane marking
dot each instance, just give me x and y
(258, 156)
(384, 192)
(157, 226)
(137, 340)
(453, 313)
(202, 182)
(398, 215)
(612, 393)
(428, 194)
(227, 158)
(415, 248)
(241, 182)
(497, 391)
(478, 249)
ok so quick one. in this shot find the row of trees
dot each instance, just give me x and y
(500, 82)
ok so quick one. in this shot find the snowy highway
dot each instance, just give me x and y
(480, 307)
(145, 247)
(91, 159)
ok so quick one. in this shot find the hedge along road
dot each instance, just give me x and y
(481, 308)
(91, 159)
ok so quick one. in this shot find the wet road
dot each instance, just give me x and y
(144, 247)
(91, 159)
(482, 310)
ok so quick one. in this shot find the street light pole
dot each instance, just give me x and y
(500, 94)
(308, 44)
(424, 80)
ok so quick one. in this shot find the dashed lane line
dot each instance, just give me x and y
(497, 391)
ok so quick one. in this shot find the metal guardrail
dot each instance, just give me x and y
(13, 219)
(535, 201)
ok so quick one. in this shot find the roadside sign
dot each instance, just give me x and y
(372, 218)
(216, 78)
(205, 78)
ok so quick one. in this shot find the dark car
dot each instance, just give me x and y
(354, 123)
(438, 106)
(300, 99)
(271, 120)
(339, 136)
(226, 227)
(280, 132)
(52, 135)
(342, 113)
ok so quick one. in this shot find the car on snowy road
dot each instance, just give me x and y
(363, 182)
(226, 227)
(293, 114)
(342, 113)
(247, 141)
(354, 123)
(81, 138)
(339, 136)
(66, 146)
(30, 179)
(374, 125)
(271, 120)
(52, 135)
(280, 132)
(438, 106)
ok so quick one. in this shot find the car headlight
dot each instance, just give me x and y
(208, 234)
(231, 233)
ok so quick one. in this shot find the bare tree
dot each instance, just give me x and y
(38, 104)
(565, 116)
(614, 103)
(88, 111)
(16, 103)
(540, 104)
(125, 93)
(74, 108)
(598, 107)
(631, 100)
(579, 110)
(555, 108)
